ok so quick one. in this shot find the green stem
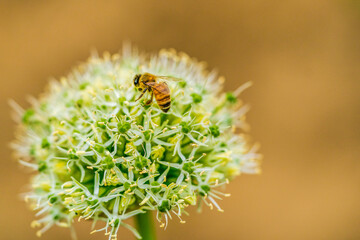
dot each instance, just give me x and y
(145, 226)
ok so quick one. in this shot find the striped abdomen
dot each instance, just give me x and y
(162, 95)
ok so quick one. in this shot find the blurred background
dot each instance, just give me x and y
(303, 57)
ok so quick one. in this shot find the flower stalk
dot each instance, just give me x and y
(145, 226)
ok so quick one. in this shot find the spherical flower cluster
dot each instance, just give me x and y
(98, 154)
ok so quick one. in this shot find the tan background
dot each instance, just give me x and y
(304, 58)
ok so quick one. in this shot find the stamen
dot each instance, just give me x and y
(63, 224)
(35, 224)
(144, 201)
(211, 206)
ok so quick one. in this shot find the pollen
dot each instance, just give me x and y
(35, 224)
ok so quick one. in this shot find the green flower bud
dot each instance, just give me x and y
(141, 162)
(53, 199)
(189, 167)
(230, 97)
(214, 129)
(164, 206)
(45, 143)
(108, 162)
(197, 98)
(42, 166)
(185, 127)
(28, 115)
(157, 152)
(155, 187)
(123, 127)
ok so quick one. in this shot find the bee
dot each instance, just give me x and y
(155, 85)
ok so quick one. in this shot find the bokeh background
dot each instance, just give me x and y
(303, 57)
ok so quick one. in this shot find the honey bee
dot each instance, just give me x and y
(155, 85)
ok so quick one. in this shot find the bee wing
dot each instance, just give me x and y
(160, 87)
(169, 78)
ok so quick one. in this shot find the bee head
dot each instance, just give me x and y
(136, 79)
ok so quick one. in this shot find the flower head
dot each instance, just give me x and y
(98, 154)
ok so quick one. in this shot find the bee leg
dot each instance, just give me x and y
(151, 99)
(142, 94)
